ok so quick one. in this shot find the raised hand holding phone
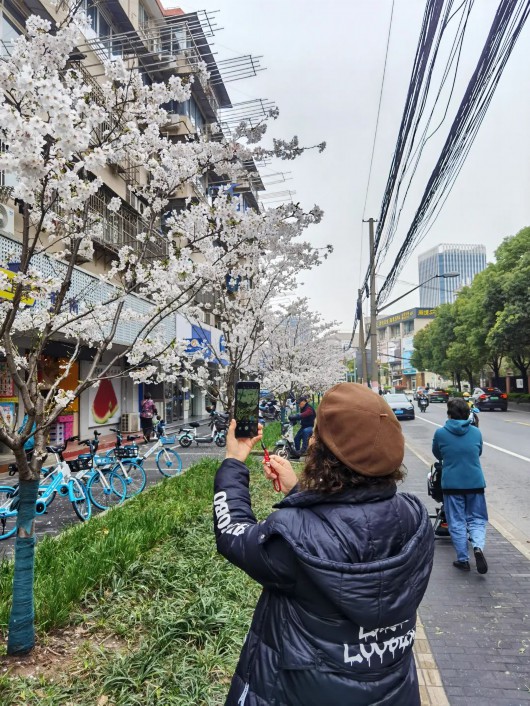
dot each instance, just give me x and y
(240, 448)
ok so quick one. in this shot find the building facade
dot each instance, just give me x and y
(395, 336)
(467, 260)
(158, 43)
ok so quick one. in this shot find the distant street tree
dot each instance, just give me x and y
(432, 346)
(511, 330)
(302, 355)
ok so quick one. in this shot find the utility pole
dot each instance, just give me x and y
(373, 309)
(362, 343)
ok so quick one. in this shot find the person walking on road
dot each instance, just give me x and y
(458, 445)
(306, 417)
(344, 561)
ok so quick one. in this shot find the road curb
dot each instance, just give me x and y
(432, 692)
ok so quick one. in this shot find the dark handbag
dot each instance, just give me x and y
(434, 482)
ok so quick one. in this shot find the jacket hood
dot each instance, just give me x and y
(458, 426)
(370, 594)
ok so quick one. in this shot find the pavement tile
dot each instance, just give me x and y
(477, 627)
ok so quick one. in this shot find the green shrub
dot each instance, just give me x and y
(519, 397)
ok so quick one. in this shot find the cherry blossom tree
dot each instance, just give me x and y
(62, 132)
(302, 356)
(262, 255)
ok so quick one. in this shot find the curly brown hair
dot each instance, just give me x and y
(324, 472)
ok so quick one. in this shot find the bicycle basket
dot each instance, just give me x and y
(85, 462)
(129, 451)
(168, 440)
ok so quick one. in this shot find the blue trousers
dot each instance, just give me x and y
(466, 515)
(302, 435)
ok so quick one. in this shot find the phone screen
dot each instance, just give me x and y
(247, 409)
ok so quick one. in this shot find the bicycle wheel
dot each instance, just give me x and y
(8, 516)
(106, 489)
(81, 504)
(134, 477)
(169, 462)
(220, 439)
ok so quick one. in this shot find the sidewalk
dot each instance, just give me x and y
(478, 627)
(106, 442)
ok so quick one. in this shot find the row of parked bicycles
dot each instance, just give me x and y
(92, 479)
(105, 480)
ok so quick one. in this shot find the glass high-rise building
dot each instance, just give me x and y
(467, 260)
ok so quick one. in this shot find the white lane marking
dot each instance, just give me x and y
(417, 454)
(492, 446)
(512, 421)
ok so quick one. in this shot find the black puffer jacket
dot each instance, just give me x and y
(343, 576)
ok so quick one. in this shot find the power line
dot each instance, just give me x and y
(506, 27)
(378, 108)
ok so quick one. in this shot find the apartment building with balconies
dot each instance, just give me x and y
(158, 43)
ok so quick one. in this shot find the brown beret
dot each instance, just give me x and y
(360, 429)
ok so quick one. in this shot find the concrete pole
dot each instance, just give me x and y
(362, 343)
(373, 310)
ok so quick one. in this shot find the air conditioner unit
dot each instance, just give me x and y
(7, 220)
(129, 423)
(135, 202)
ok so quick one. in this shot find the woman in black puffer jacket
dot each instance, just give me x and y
(344, 562)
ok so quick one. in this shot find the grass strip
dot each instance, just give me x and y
(177, 615)
(88, 555)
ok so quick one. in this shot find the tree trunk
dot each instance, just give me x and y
(458, 382)
(496, 367)
(21, 637)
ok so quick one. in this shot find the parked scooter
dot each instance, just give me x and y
(218, 426)
(284, 447)
(269, 410)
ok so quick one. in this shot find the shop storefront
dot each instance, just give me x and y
(49, 370)
(8, 399)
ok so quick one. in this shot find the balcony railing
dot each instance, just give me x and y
(123, 228)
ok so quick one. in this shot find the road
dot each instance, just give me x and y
(61, 513)
(505, 460)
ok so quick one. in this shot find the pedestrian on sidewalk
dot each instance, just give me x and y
(344, 561)
(147, 415)
(458, 445)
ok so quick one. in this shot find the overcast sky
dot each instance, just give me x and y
(324, 67)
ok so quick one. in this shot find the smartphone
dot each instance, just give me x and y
(247, 409)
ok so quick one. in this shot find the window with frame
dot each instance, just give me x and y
(143, 17)
(102, 28)
(9, 31)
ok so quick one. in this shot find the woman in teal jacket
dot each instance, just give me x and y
(459, 446)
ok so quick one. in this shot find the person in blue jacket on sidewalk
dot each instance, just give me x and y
(458, 445)
(344, 561)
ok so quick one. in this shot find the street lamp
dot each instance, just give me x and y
(446, 275)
